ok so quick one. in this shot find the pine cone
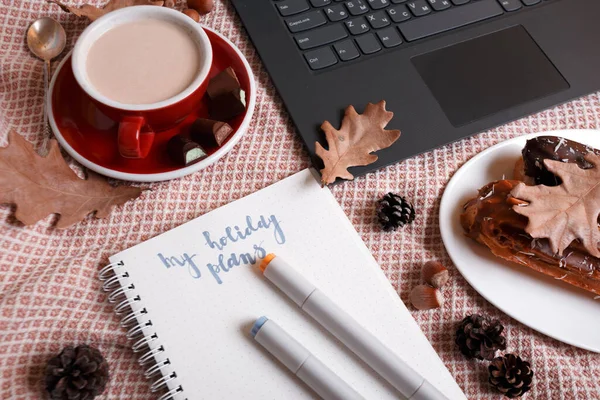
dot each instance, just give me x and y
(479, 337)
(394, 211)
(510, 375)
(79, 373)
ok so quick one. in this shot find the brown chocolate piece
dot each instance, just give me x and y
(490, 220)
(184, 151)
(224, 82)
(227, 99)
(227, 106)
(209, 132)
(552, 148)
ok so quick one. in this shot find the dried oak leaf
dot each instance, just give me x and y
(40, 186)
(566, 212)
(93, 12)
(358, 137)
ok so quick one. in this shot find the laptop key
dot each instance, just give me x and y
(439, 5)
(320, 58)
(511, 5)
(451, 19)
(378, 19)
(357, 7)
(357, 26)
(389, 37)
(319, 3)
(368, 44)
(336, 12)
(378, 4)
(460, 2)
(399, 13)
(419, 8)
(305, 21)
(398, 1)
(320, 36)
(291, 7)
(530, 2)
(346, 50)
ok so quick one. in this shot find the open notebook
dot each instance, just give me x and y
(190, 296)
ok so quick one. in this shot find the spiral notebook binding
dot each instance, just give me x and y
(141, 333)
(113, 297)
(131, 318)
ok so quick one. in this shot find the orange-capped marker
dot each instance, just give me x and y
(266, 261)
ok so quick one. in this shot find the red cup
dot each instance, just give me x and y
(138, 123)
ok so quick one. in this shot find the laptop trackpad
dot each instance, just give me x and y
(488, 74)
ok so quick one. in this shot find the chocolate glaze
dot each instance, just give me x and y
(553, 148)
(491, 216)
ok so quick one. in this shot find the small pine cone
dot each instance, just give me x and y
(510, 375)
(479, 337)
(77, 373)
(394, 211)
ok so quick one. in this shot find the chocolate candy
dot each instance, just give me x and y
(209, 132)
(184, 151)
(224, 82)
(227, 106)
(227, 99)
(553, 148)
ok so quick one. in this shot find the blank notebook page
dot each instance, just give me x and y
(202, 290)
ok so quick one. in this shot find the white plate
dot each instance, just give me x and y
(545, 304)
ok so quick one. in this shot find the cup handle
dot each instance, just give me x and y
(133, 143)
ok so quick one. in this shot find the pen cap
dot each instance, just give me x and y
(281, 345)
(288, 280)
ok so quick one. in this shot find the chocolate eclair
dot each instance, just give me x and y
(490, 220)
(531, 169)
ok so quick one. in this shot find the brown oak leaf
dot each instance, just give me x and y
(93, 12)
(566, 212)
(353, 143)
(40, 186)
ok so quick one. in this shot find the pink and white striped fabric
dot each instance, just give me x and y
(50, 296)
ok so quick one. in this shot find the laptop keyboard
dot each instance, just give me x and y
(329, 32)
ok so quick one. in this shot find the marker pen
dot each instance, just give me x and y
(301, 362)
(341, 325)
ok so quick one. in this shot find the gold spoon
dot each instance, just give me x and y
(46, 39)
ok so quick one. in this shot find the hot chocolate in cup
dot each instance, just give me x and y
(145, 67)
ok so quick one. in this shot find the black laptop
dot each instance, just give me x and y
(446, 68)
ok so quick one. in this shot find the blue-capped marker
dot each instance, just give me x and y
(301, 362)
(257, 325)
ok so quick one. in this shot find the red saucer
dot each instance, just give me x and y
(91, 137)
